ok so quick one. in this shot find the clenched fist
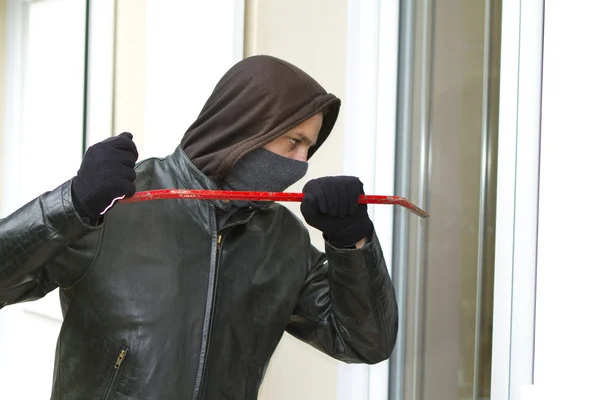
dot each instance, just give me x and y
(106, 175)
(330, 204)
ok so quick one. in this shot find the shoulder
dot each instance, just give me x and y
(149, 164)
(287, 217)
(154, 173)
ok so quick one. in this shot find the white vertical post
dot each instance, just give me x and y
(369, 144)
(518, 174)
(568, 274)
(359, 137)
(384, 175)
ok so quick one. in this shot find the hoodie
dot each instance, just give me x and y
(256, 101)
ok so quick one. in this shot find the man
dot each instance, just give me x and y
(187, 299)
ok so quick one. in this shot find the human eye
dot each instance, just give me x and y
(293, 142)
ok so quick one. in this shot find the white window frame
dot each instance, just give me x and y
(369, 144)
(567, 296)
(517, 197)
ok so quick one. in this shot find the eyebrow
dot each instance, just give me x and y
(305, 139)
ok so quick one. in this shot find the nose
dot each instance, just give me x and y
(301, 155)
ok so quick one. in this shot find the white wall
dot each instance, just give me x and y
(567, 345)
(130, 69)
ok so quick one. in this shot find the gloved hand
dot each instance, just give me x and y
(330, 204)
(106, 174)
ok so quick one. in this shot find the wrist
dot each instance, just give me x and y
(361, 243)
(81, 210)
(347, 246)
(351, 238)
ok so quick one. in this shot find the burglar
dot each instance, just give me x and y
(188, 299)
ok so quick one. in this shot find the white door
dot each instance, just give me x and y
(43, 141)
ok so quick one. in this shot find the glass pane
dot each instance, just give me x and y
(445, 265)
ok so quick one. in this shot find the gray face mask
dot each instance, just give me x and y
(265, 171)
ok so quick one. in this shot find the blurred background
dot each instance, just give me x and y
(420, 89)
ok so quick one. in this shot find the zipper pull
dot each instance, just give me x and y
(219, 241)
(120, 358)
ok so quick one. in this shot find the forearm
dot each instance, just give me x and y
(363, 298)
(32, 236)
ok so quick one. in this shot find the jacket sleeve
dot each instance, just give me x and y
(40, 247)
(347, 307)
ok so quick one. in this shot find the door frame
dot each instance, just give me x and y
(517, 197)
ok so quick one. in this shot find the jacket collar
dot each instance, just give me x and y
(191, 177)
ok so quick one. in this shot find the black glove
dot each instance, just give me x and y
(106, 173)
(330, 204)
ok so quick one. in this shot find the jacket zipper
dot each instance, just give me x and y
(114, 374)
(211, 294)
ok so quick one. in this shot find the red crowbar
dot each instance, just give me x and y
(260, 196)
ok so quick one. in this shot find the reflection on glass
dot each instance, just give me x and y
(447, 160)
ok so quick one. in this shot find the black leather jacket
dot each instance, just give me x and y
(159, 305)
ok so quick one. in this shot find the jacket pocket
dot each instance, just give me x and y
(115, 372)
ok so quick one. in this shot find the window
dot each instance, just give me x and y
(446, 161)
